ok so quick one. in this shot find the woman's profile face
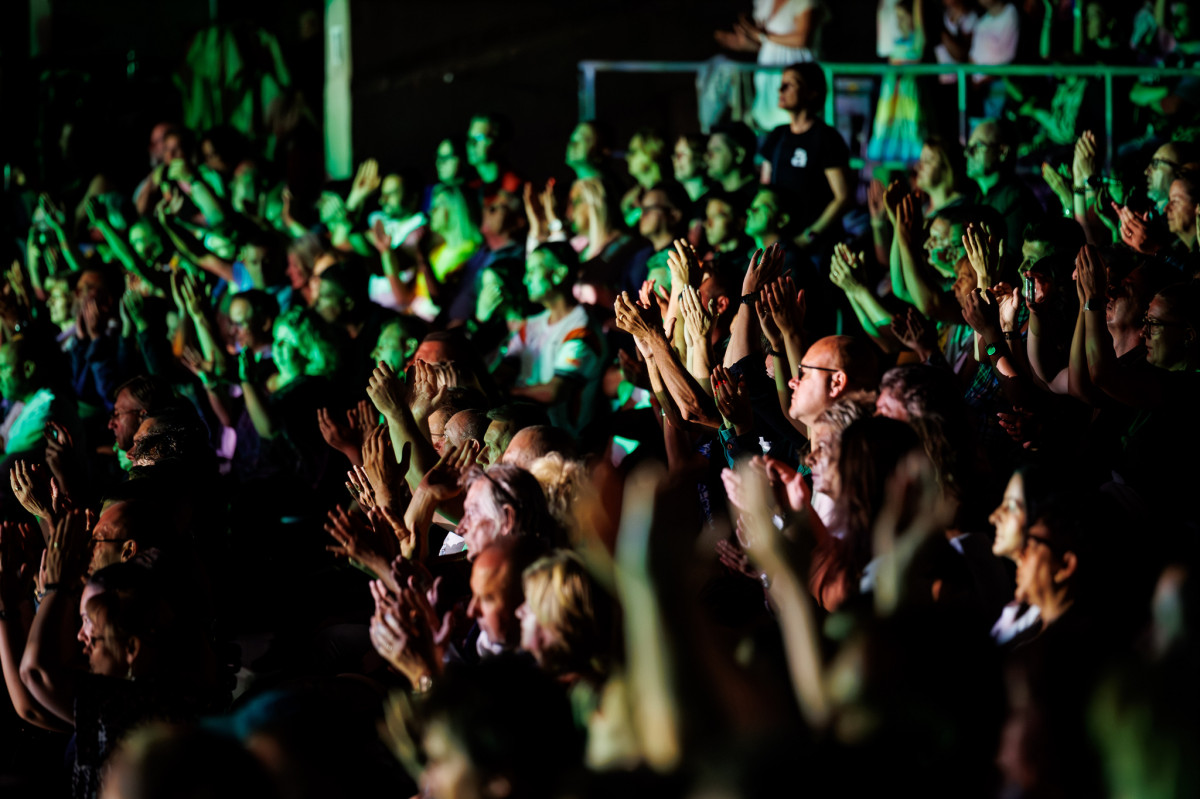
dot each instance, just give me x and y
(536, 637)
(823, 460)
(1009, 520)
(105, 656)
(447, 162)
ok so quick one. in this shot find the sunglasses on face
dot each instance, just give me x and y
(800, 370)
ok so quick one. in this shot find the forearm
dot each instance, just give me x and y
(12, 648)
(896, 271)
(403, 429)
(1078, 382)
(256, 406)
(742, 334)
(666, 402)
(801, 646)
(121, 248)
(700, 363)
(44, 669)
(543, 393)
(210, 207)
(694, 404)
(831, 215)
(872, 323)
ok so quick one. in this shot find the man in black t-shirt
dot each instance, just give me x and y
(729, 162)
(808, 157)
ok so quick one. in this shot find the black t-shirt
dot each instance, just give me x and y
(798, 164)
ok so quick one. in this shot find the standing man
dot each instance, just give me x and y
(991, 162)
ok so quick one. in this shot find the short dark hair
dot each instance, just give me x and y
(351, 277)
(562, 252)
(263, 304)
(519, 414)
(955, 157)
(152, 393)
(739, 135)
(813, 77)
(1065, 236)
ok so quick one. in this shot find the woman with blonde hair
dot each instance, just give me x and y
(566, 619)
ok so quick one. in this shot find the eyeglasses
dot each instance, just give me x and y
(115, 415)
(1157, 162)
(1151, 322)
(978, 147)
(800, 370)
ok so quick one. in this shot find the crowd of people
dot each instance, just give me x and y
(672, 483)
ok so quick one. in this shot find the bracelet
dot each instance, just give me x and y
(749, 299)
(1080, 190)
(773, 353)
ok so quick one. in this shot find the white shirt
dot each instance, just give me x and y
(995, 37)
(572, 348)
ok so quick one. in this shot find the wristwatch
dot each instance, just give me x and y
(555, 225)
(991, 350)
(750, 299)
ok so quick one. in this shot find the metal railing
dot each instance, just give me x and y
(588, 71)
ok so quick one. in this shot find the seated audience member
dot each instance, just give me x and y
(723, 231)
(730, 164)
(587, 150)
(991, 163)
(560, 350)
(506, 421)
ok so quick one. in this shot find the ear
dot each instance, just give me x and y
(722, 305)
(133, 648)
(782, 220)
(29, 367)
(739, 155)
(837, 384)
(560, 274)
(410, 348)
(1069, 564)
(129, 549)
(1004, 152)
(510, 517)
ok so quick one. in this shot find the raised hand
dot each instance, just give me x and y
(915, 332)
(648, 293)
(60, 448)
(1091, 274)
(32, 488)
(384, 518)
(733, 400)
(380, 238)
(346, 439)
(633, 319)
(1059, 184)
(843, 271)
(357, 540)
(984, 251)
(68, 548)
(381, 468)
(424, 394)
(697, 320)
(1135, 231)
(908, 218)
(386, 391)
(1021, 426)
(1008, 300)
(359, 486)
(765, 266)
(366, 182)
(443, 481)
(876, 201)
(1084, 164)
(981, 313)
(534, 212)
(684, 266)
(406, 632)
(734, 558)
(896, 191)
(785, 304)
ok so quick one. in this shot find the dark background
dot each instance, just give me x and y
(420, 69)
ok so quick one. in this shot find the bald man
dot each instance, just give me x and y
(832, 367)
(464, 426)
(533, 442)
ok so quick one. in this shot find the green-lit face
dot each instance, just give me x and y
(145, 243)
(392, 348)
(983, 152)
(287, 353)
(944, 247)
(253, 258)
(480, 141)
(391, 194)
(762, 215)
(685, 161)
(243, 192)
(12, 378)
(719, 157)
(582, 144)
(637, 159)
(447, 162)
(440, 213)
(543, 273)
(718, 222)
(330, 302)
